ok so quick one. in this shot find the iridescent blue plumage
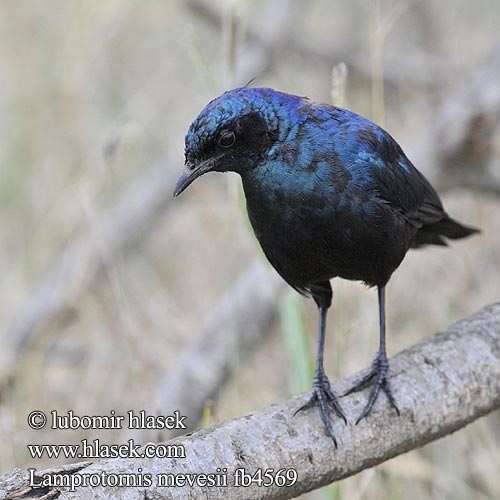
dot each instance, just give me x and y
(329, 194)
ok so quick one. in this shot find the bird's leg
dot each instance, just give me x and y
(322, 394)
(379, 369)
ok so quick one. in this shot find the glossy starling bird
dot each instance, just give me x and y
(329, 194)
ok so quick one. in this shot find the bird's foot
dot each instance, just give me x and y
(379, 371)
(323, 396)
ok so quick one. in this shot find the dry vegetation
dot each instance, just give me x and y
(94, 93)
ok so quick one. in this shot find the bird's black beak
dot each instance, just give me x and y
(191, 172)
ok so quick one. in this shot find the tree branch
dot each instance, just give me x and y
(441, 384)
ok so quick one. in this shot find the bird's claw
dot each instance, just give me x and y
(323, 396)
(379, 371)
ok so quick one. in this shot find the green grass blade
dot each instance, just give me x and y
(297, 344)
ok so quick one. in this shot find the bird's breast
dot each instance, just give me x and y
(312, 231)
(288, 201)
(289, 218)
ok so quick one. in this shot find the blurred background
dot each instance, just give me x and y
(115, 297)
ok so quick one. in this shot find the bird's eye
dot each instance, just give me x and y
(226, 139)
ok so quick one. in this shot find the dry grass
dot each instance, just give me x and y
(91, 93)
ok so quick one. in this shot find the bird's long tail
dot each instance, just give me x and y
(435, 233)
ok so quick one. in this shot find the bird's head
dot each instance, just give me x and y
(235, 132)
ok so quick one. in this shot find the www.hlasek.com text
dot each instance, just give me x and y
(95, 449)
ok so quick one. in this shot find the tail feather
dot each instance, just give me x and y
(434, 233)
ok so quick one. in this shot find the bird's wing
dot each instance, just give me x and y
(367, 159)
(401, 185)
